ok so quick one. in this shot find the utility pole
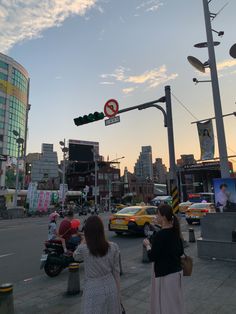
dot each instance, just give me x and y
(95, 157)
(224, 166)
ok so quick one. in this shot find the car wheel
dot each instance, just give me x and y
(146, 229)
(119, 233)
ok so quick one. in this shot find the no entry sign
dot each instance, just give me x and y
(111, 108)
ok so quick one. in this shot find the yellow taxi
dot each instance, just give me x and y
(197, 211)
(183, 207)
(133, 219)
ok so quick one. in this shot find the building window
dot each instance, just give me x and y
(3, 65)
(100, 176)
(19, 80)
(2, 100)
(116, 176)
(3, 76)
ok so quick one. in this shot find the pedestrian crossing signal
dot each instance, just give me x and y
(92, 117)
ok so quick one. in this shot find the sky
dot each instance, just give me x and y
(80, 53)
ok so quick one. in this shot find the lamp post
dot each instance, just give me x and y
(211, 63)
(65, 151)
(19, 141)
(110, 183)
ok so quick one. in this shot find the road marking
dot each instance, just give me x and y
(5, 255)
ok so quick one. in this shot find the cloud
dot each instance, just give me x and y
(128, 90)
(107, 83)
(23, 20)
(150, 5)
(223, 67)
(151, 78)
(226, 64)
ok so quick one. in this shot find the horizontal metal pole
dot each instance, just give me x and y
(224, 115)
(148, 105)
(138, 106)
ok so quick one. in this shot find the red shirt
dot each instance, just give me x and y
(65, 230)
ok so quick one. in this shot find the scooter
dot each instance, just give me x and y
(54, 260)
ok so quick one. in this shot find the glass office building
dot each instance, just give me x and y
(14, 106)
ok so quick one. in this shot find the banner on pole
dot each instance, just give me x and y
(206, 139)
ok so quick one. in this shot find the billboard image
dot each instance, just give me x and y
(225, 194)
(206, 139)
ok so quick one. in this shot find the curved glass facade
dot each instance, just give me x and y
(14, 84)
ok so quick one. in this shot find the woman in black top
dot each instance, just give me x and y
(166, 251)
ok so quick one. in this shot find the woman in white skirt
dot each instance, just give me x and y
(166, 251)
(101, 293)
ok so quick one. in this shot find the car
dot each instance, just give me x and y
(184, 206)
(133, 219)
(197, 211)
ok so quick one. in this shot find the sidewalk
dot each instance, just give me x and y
(210, 290)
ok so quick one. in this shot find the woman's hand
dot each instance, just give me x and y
(146, 243)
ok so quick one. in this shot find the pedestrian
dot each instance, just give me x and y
(52, 230)
(101, 294)
(165, 252)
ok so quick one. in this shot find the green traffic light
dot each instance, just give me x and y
(92, 117)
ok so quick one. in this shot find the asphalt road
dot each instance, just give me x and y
(22, 243)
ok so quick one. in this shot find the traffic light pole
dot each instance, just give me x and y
(168, 123)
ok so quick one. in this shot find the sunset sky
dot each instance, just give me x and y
(80, 53)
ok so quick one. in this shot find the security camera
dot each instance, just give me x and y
(221, 33)
(195, 80)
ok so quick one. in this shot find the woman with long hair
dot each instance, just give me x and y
(101, 294)
(165, 252)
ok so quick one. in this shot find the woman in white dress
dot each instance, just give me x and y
(101, 293)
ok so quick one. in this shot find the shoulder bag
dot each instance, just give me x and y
(187, 265)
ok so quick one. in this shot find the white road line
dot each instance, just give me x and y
(5, 255)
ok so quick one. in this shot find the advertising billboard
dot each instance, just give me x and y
(225, 194)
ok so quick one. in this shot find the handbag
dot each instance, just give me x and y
(122, 309)
(187, 265)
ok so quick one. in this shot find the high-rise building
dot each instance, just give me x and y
(14, 107)
(46, 167)
(143, 167)
(83, 150)
(159, 171)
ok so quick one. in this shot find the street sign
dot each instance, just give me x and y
(111, 108)
(112, 120)
(3, 157)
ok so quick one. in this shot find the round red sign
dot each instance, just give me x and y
(111, 108)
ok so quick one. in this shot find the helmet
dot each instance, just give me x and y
(53, 216)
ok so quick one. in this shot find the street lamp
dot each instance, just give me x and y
(211, 63)
(110, 183)
(65, 151)
(95, 159)
(19, 141)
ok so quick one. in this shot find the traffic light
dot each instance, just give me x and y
(92, 117)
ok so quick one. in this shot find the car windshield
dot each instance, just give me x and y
(129, 210)
(201, 205)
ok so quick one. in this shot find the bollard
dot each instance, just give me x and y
(73, 286)
(191, 235)
(145, 255)
(6, 299)
(120, 264)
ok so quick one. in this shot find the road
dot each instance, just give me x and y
(22, 243)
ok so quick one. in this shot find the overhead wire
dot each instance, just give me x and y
(195, 117)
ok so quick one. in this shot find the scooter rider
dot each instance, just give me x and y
(71, 236)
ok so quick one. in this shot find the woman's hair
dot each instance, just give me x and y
(95, 236)
(166, 210)
(206, 133)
